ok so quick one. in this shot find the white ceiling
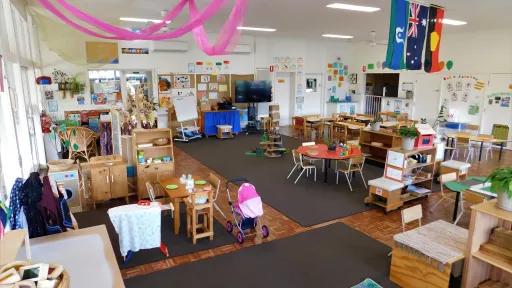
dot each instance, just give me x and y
(310, 18)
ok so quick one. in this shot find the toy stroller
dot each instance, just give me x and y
(247, 211)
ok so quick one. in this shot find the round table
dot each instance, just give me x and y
(320, 151)
(177, 195)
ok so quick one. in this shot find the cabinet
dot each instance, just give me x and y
(377, 143)
(154, 157)
(108, 178)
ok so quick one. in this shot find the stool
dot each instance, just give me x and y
(460, 168)
(224, 131)
(385, 192)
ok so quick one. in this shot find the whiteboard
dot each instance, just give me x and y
(185, 104)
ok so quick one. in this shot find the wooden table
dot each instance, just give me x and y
(176, 195)
(424, 257)
(320, 151)
(450, 141)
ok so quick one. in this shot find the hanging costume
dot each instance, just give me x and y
(31, 196)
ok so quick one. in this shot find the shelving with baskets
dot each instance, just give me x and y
(487, 262)
(377, 143)
(153, 151)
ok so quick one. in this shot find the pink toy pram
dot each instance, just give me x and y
(246, 211)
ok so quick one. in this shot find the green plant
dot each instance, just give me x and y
(75, 86)
(377, 119)
(501, 181)
(409, 132)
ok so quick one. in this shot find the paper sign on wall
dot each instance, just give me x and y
(213, 86)
(205, 78)
(213, 95)
(393, 173)
(202, 87)
(223, 88)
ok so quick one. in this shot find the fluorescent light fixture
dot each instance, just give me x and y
(337, 36)
(256, 29)
(453, 22)
(141, 20)
(353, 7)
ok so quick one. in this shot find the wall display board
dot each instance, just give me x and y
(337, 78)
(294, 65)
(463, 95)
(170, 84)
(212, 88)
(497, 103)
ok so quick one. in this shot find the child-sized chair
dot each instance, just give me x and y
(411, 214)
(200, 205)
(355, 164)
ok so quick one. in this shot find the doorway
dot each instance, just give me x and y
(313, 103)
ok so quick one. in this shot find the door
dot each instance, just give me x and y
(426, 96)
(497, 106)
(118, 181)
(100, 178)
(313, 103)
(283, 96)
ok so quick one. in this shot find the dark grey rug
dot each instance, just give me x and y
(177, 245)
(306, 202)
(332, 256)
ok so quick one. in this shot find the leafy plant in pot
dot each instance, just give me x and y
(408, 134)
(375, 123)
(501, 184)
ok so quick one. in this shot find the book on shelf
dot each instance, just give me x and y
(417, 189)
(144, 145)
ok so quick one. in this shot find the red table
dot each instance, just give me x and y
(320, 151)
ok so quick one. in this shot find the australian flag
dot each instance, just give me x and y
(416, 32)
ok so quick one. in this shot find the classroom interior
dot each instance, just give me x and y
(227, 143)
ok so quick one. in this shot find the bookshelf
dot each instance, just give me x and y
(388, 139)
(144, 148)
(482, 265)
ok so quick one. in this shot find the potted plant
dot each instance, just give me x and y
(375, 123)
(408, 134)
(75, 86)
(501, 184)
(60, 78)
(332, 146)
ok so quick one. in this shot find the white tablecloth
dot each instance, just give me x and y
(137, 227)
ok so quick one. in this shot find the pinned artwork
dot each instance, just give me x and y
(505, 102)
(335, 65)
(182, 82)
(353, 78)
(510, 87)
(205, 78)
(468, 86)
(213, 95)
(202, 87)
(449, 86)
(371, 66)
(458, 85)
(99, 99)
(201, 94)
(191, 68)
(80, 100)
(164, 84)
(474, 109)
(329, 78)
(223, 88)
(455, 97)
(48, 95)
(329, 66)
(164, 101)
(213, 86)
(479, 85)
(221, 78)
(465, 97)
(53, 106)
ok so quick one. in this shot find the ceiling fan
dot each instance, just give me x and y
(373, 42)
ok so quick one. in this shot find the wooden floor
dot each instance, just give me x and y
(374, 222)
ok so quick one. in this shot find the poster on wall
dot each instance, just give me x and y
(80, 99)
(135, 51)
(99, 98)
(463, 94)
(164, 84)
(48, 95)
(53, 106)
(102, 52)
(164, 100)
(505, 102)
(191, 68)
(182, 82)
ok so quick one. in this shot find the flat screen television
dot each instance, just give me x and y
(253, 91)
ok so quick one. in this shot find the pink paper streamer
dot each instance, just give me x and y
(227, 37)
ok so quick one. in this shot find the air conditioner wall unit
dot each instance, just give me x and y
(242, 49)
(168, 46)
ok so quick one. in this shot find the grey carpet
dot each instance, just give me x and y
(332, 256)
(177, 244)
(306, 202)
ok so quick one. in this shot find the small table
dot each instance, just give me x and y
(320, 151)
(450, 141)
(432, 250)
(473, 186)
(177, 195)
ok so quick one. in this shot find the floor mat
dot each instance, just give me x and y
(306, 202)
(331, 256)
(177, 245)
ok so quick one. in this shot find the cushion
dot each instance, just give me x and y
(224, 126)
(457, 165)
(386, 184)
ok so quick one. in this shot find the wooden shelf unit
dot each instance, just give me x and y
(152, 172)
(481, 266)
(396, 167)
(387, 138)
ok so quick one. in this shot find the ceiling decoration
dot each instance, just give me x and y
(226, 39)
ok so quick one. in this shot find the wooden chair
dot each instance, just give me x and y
(444, 178)
(412, 214)
(299, 126)
(339, 132)
(152, 198)
(215, 182)
(355, 164)
(462, 142)
(82, 142)
(200, 208)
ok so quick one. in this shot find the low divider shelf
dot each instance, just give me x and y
(408, 175)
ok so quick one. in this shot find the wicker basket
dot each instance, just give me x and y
(161, 141)
(60, 165)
